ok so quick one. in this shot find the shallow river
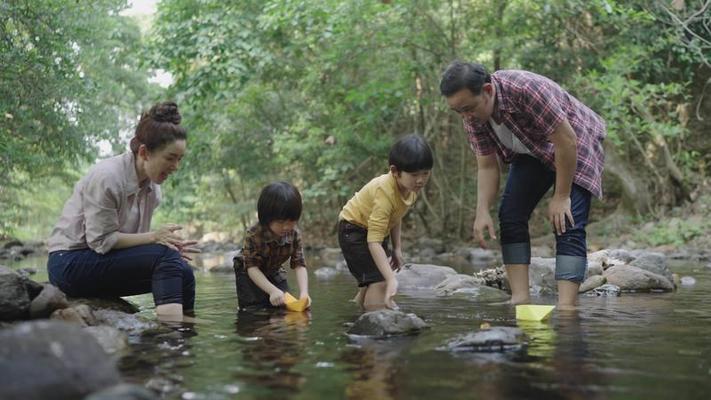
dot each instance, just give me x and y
(637, 346)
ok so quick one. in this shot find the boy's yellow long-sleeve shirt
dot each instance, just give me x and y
(377, 207)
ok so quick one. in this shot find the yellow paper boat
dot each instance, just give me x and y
(530, 312)
(293, 304)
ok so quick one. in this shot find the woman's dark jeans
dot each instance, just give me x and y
(528, 181)
(124, 272)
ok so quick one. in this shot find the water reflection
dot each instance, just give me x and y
(274, 344)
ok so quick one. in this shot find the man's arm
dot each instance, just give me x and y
(487, 187)
(566, 160)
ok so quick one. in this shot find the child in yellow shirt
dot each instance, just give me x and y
(374, 213)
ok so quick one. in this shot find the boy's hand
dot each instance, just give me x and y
(305, 295)
(390, 292)
(276, 297)
(396, 261)
(483, 222)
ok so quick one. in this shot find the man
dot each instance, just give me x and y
(551, 139)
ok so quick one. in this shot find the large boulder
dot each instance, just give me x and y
(48, 360)
(14, 296)
(422, 276)
(541, 276)
(591, 283)
(387, 322)
(123, 391)
(47, 301)
(470, 287)
(110, 339)
(653, 262)
(495, 339)
(630, 278)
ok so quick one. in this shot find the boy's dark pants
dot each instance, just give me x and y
(249, 296)
(354, 245)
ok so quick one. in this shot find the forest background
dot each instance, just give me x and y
(314, 92)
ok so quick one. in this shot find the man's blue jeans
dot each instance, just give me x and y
(528, 181)
(124, 272)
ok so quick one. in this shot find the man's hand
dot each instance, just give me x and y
(558, 212)
(483, 222)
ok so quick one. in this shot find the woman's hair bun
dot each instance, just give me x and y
(165, 112)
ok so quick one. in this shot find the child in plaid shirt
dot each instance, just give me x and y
(261, 279)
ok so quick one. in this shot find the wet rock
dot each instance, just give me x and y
(653, 262)
(48, 300)
(110, 339)
(12, 243)
(636, 279)
(123, 391)
(606, 290)
(591, 283)
(330, 255)
(116, 304)
(621, 254)
(470, 287)
(129, 323)
(496, 339)
(595, 267)
(387, 323)
(80, 314)
(541, 275)
(26, 272)
(422, 276)
(14, 296)
(688, 281)
(494, 277)
(48, 360)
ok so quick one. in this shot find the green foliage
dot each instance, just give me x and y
(674, 231)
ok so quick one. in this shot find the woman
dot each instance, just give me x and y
(102, 245)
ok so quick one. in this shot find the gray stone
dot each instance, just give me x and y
(110, 339)
(422, 276)
(653, 262)
(630, 278)
(591, 283)
(129, 323)
(222, 269)
(471, 288)
(495, 339)
(688, 281)
(123, 391)
(48, 360)
(27, 272)
(606, 290)
(49, 300)
(541, 275)
(620, 254)
(14, 297)
(116, 304)
(435, 245)
(387, 323)
(80, 314)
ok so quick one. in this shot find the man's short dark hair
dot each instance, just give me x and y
(279, 201)
(411, 153)
(463, 75)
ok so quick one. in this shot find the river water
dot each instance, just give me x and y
(637, 346)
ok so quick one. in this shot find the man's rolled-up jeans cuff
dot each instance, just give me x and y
(570, 268)
(516, 253)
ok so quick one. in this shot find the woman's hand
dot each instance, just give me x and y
(276, 297)
(166, 236)
(186, 247)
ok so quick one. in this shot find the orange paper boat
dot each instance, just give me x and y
(293, 304)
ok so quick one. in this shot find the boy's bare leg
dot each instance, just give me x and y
(567, 295)
(360, 297)
(373, 297)
(518, 281)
